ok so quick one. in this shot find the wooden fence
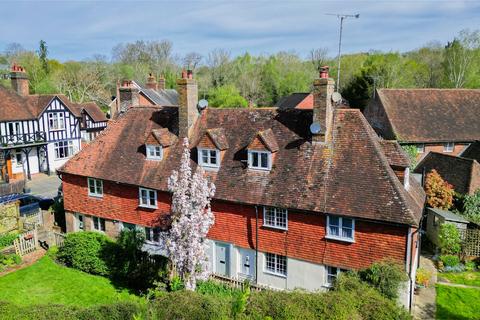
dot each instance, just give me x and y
(26, 243)
(237, 283)
(58, 238)
(470, 242)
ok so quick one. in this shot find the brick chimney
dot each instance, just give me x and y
(19, 80)
(128, 94)
(151, 82)
(188, 99)
(323, 107)
(161, 83)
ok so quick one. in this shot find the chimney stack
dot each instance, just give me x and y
(188, 99)
(161, 83)
(151, 82)
(19, 80)
(128, 94)
(323, 108)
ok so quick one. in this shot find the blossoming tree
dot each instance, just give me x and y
(192, 217)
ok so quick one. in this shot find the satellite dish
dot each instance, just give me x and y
(202, 104)
(336, 97)
(315, 128)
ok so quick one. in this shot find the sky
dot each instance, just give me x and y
(77, 30)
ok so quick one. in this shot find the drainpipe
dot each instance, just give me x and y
(412, 281)
(256, 244)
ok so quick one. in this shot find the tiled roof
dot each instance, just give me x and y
(353, 178)
(293, 101)
(395, 154)
(16, 107)
(472, 151)
(432, 115)
(166, 97)
(462, 173)
(218, 138)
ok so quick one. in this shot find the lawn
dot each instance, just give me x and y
(47, 282)
(457, 303)
(470, 278)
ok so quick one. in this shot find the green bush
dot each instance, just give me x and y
(7, 260)
(86, 251)
(186, 304)
(386, 276)
(215, 288)
(7, 239)
(470, 266)
(450, 260)
(449, 237)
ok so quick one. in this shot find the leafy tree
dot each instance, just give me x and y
(449, 237)
(411, 151)
(471, 206)
(226, 96)
(319, 57)
(42, 54)
(192, 217)
(439, 192)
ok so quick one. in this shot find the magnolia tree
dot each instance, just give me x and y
(192, 217)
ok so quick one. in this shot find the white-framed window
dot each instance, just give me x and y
(98, 224)
(209, 158)
(275, 218)
(340, 228)
(152, 234)
(19, 158)
(95, 187)
(128, 226)
(147, 198)
(276, 264)
(154, 152)
(260, 160)
(80, 222)
(331, 275)
(420, 148)
(64, 149)
(56, 121)
(448, 147)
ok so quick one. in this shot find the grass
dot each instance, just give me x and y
(470, 278)
(455, 303)
(47, 282)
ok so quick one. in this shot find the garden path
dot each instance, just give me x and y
(425, 302)
(458, 285)
(27, 260)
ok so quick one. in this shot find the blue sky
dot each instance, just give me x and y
(80, 29)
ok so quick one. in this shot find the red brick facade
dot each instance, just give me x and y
(458, 148)
(236, 223)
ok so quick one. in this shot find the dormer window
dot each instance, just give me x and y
(154, 152)
(260, 160)
(209, 157)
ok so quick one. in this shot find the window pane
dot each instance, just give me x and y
(347, 233)
(156, 234)
(269, 217)
(158, 152)
(147, 234)
(102, 224)
(254, 159)
(334, 221)
(281, 218)
(204, 156)
(334, 231)
(347, 223)
(95, 223)
(264, 162)
(282, 264)
(213, 157)
(270, 262)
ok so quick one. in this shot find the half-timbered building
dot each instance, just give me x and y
(39, 133)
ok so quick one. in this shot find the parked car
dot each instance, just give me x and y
(28, 203)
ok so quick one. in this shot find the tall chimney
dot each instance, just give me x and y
(323, 107)
(19, 80)
(161, 83)
(151, 82)
(188, 99)
(128, 94)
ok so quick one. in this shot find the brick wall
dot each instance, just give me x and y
(458, 148)
(235, 223)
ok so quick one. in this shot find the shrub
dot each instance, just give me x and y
(85, 251)
(7, 239)
(471, 206)
(423, 277)
(386, 276)
(439, 192)
(7, 260)
(458, 268)
(449, 237)
(187, 304)
(470, 266)
(449, 260)
(215, 288)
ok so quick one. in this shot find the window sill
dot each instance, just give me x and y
(147, 207)
(260, 169)
(340, 239)
(154, 159)
(98, 196)
(275, 227)
(275, 274)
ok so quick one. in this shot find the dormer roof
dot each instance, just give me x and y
(266, 138)
(218, 137)
(162, 137)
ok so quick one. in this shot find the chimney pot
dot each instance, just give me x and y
(189, 74)
(161, 83)
(184, 74)
(324, 72)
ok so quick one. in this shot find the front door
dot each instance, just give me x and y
(247, 263)
(222, 259)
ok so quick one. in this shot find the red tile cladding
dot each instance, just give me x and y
(235, 223)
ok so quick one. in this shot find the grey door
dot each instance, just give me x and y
(247, 263)
(222, 262)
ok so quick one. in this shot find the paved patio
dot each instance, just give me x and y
(44, 185)
(425, 303)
